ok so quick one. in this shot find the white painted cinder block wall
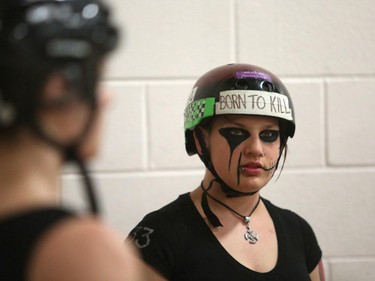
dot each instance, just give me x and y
(323, 51)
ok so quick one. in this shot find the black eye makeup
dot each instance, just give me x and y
(234, 137)
(269, 135)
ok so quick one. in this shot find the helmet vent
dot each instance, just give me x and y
(268, 86)
(242, 84)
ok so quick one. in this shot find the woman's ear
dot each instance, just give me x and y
(91, 143)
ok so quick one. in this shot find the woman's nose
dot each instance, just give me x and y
(254, 147)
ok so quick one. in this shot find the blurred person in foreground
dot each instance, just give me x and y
(238, 120)
(52, 56)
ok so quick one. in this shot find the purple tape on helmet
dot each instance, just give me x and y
(253, 74)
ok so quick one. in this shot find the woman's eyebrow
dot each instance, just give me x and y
(271, 126)
(267, 126)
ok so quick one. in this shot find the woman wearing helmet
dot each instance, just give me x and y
(238, 119)
(51, 57)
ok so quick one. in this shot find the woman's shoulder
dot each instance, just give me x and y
(82, 249)
(288, 218)
(173, 211)
(167, 225)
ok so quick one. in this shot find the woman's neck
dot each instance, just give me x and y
(29, 174)
(241, 204)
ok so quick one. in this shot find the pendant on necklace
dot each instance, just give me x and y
(250, 236)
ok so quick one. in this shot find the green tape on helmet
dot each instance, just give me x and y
(198, 110)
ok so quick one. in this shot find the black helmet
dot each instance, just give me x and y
(57, 28)
(39, 36)
(237, 89)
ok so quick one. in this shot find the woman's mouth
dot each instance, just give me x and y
(251, 169)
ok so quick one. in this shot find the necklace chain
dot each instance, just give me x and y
(250, 236)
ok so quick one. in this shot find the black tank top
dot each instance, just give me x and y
(19, 235)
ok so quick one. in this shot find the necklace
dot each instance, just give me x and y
(249, 235)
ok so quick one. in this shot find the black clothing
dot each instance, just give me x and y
(19, 235)
(177, 242)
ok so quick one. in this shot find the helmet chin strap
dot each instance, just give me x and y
(71, 154)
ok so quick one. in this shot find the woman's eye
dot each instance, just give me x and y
(233, 132)
(269, 135)
(237, 132)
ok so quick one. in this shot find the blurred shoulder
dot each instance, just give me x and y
(83, 249)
